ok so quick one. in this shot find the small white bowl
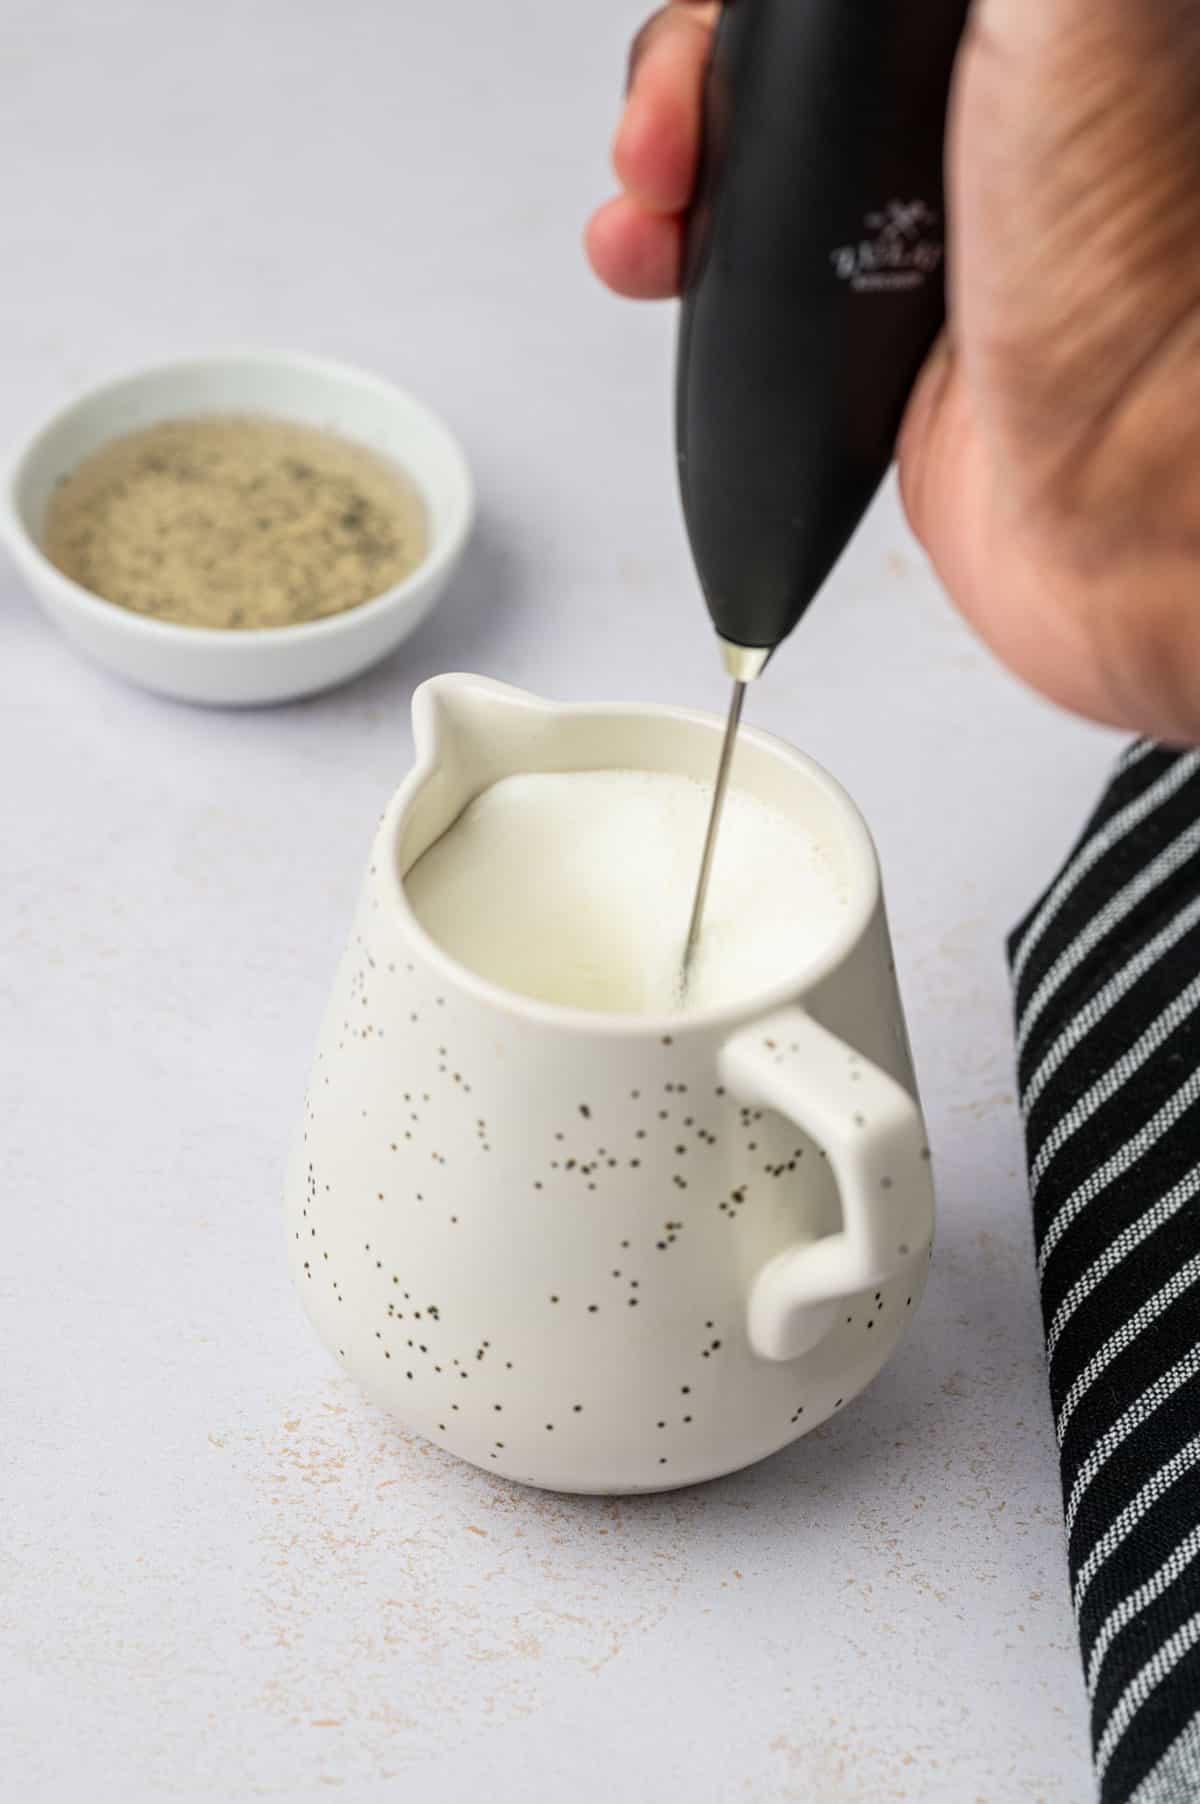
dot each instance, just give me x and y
(242, 667)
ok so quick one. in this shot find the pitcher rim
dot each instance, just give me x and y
(865, 898)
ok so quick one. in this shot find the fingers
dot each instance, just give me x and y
(635, 243)
(634, 252)
(658, 140)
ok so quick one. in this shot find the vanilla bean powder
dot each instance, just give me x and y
(236, 521)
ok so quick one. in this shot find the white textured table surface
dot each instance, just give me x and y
(224, 1576)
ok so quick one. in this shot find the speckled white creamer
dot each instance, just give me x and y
(607, 1252)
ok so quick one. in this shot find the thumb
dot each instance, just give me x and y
(1075, 135)
(1026, 24)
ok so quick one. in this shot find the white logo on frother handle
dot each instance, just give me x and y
(904, 246)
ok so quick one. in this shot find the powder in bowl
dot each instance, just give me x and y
(236, 520)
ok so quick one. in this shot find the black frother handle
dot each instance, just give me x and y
(813, 287)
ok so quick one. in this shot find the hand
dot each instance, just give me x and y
(1050, 457)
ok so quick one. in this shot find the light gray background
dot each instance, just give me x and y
(225, 1577)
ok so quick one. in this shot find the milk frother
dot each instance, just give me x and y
(813, 289)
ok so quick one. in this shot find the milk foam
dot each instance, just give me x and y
(576, 889)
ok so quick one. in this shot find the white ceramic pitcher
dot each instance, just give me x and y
(602, 1252)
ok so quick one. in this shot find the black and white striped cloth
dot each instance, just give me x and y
(1107, 976)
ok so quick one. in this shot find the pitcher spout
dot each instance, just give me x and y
(469, 732)
(473, 721)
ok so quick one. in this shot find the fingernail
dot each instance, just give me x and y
(638, 47)
(632, 61)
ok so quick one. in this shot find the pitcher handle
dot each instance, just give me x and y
(872, 1133)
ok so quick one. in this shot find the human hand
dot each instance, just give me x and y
(1050, 456)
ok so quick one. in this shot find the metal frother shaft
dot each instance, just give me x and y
(813, 289)
(714, 825)
(744, 665)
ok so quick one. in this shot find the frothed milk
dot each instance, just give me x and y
(575, 889)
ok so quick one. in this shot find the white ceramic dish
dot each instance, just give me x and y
(243, 667)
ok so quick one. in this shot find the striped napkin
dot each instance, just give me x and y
(1106, 970)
